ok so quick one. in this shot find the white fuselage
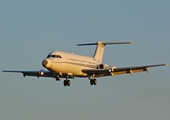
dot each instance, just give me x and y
(69, 64)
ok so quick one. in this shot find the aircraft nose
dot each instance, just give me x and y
(46, 63)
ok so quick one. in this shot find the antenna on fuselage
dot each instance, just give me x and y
(98, 55)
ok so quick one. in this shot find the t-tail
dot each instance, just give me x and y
(98, 55)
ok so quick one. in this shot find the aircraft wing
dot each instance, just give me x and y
(40, 73)
(118, 71)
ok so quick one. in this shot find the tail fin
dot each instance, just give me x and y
(98, 55)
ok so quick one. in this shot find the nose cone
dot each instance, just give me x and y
(46, 63)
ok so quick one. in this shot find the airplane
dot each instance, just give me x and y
(68, 65)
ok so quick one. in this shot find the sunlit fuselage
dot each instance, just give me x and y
(69, 64)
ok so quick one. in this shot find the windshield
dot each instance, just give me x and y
(54, 56)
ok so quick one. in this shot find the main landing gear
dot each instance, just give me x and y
(93, 82)
(66, 82)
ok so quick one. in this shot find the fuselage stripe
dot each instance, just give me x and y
(79, 64)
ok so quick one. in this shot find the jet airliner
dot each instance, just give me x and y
(68, 65)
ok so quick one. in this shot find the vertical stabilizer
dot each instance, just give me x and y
(98, 55)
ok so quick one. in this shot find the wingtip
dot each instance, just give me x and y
(165, 64)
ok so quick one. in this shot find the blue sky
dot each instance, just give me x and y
(29, 30)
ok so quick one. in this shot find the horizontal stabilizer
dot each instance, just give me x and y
(104, 43)
(98, 55)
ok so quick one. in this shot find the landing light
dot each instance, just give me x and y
(41, 73)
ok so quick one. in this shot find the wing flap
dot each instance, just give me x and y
(119, 71)
(128, 71)
(97, 72)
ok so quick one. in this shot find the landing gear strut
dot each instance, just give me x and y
(57, 78)
(93, 82)
(66, 82)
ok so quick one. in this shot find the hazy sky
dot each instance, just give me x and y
(31, 29)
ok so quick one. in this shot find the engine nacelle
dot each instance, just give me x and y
(102, 66)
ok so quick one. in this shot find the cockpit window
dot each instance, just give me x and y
(54, 56)
(59, 56)
(48, 56)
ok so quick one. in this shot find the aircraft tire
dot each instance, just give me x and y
(91, 82)
(94, 82)
(68, 82)
(57, 78)
(65, 83)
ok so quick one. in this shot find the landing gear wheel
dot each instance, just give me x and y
(66, 82)
(57, 79)
(93, 82)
